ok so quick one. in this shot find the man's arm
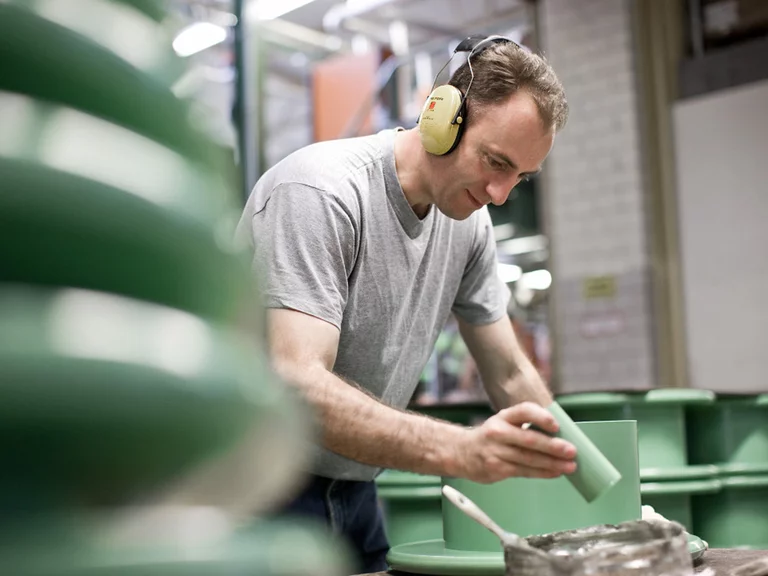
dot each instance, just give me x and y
(508, 375)
(354, 424)
(358, 426)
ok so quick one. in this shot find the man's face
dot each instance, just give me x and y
(502, 145)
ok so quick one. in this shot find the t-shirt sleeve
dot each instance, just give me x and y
(305, 245)
(482, 297)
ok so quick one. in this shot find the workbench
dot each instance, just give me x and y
(721, 560)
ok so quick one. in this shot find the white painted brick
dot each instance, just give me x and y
(595, 187)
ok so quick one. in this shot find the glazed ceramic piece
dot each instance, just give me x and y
(104, 400)
(528, 506)
(143, 41)
(432, 557)
(660, 415)
(411, 504)
(731, 434)
(45, 60)
(74, 212)
(199, 543)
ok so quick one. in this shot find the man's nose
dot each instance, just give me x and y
(499, 189)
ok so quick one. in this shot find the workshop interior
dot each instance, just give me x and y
(143, 428)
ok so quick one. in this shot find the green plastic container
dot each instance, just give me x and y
(412, 506)
(732, 433)
(672, 499)
(736, 516)
(661, 426)
(527, 506)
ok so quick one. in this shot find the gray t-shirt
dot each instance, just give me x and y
(336, 238)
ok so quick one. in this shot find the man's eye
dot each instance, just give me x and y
(495, 164)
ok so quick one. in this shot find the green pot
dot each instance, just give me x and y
(411, 504)
(734, 517)
(526, 506)
(732, 434)
(160, 238)
(143, 41)
(105, 400)
(47, 61)
(198, 547)
(672, 499)
(661, 426)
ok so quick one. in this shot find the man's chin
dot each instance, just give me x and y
(456, 214)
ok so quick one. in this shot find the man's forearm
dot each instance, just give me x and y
(508, 375)
(522, 384)
(360, 427)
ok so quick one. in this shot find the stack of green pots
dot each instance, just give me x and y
(732, 434)
(412, 506)
(669, 481)
(465, 413)
(139, 420)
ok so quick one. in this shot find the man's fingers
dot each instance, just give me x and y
(529, 438)
(530, 413)
(527, 472)
(535, 460)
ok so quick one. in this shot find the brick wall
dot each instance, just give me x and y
(596, 218)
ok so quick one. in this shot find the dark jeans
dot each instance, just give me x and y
(351, 510)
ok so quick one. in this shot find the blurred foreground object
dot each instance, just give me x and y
(142, 429)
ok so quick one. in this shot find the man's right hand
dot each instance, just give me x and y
(501, 448)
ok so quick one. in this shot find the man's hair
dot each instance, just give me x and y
(503, 69)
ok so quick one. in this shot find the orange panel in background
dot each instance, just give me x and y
(341, 89)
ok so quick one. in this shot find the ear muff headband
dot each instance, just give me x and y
(441, 121)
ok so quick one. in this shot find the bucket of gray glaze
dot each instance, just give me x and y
(636, 548)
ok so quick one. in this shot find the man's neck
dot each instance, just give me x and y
(413, 168)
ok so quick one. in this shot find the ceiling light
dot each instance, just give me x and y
(198, 37)
(269, 9)
(503, 231)
(508, 272)
(522, 245)
(537, 279)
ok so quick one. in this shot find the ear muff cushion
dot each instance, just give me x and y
(439, 135)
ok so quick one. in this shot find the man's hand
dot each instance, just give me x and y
(502, 447)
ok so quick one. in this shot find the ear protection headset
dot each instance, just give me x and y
(441, 121)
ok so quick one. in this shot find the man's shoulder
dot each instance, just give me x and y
(329, 165)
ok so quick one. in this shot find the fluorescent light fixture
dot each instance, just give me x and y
(361, 45)
(537, 279)
(500, 231)
(198, 37)
(398, 37)
(508, 272)
(269, 9)
(522, 245)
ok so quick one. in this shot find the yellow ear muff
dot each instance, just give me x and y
(439, 133)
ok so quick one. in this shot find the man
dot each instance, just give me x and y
(367, 244)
